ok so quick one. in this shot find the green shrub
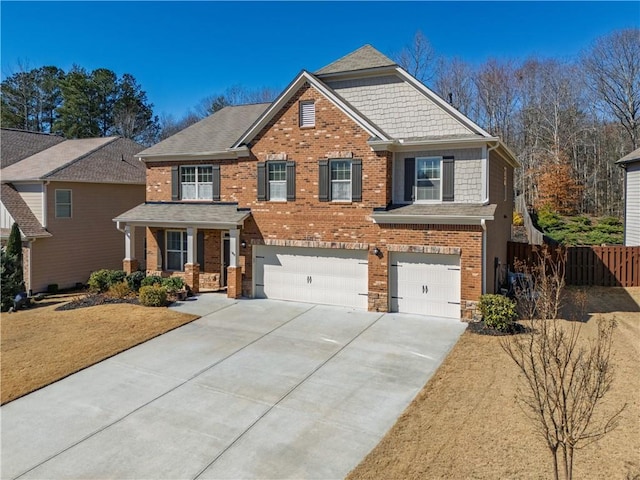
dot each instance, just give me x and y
(612, 221)
(153, 295)
(134, 279)
(101, 280)
(498, 311)
(9, 278)
(151, 280)
(173, 284)
(119, 290)
(547, 219)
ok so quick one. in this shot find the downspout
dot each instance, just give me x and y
(485, 173)
(483, 223)
(30, 270)
(45, 202)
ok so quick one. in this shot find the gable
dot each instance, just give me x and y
(398, 108)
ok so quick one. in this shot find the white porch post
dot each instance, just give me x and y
(234, 246)
(191, 245)
(129, 242)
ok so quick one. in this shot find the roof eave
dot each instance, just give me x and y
(234, 152)
(386, 218)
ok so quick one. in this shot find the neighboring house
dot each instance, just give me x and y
(357, 186)
(63, 194)
(631, 165)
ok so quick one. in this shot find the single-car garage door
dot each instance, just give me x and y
(316, 275)
(426, 284)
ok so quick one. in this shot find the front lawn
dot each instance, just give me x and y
(41, 345)
(465, 422)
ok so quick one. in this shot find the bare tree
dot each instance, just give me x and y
(564, 377)
(612, 68)
(454, 82)
(419, 59)
(234, 95)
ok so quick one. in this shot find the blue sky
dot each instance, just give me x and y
(181, 52)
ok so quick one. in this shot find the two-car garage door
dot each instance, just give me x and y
(316, 275)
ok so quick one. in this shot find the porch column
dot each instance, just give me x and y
(130, 263)
(191, 268)
(234, 271)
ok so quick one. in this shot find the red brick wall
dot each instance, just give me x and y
(307, 218)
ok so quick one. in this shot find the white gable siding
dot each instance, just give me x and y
(632, 210)
(397, 107)
(32, 195)
(6, 220)
(467, 173)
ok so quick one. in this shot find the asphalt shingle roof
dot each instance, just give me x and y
(21, 213)
(184, 213)
(214, 134)
(441, 210)
(631, 157)
(95, 160)
(363, 58)
(18, 144)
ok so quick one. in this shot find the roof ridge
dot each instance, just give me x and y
(49, 134)
(84, 155)
(365, 57)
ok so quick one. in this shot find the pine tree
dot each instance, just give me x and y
(14, 250)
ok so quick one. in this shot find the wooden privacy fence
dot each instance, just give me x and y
(614, 266)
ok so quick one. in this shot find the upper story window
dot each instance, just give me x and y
(63, 203)
(340, 180)
(277, 181)
(307, 113)
(195, 182)
(428, 179)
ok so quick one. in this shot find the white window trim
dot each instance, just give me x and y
(331, 181)
(280, 182)
(304, 103)
(183, 253)
(60, 203)
(196, 183)
(415, 186)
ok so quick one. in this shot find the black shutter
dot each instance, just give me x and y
(262, 181)
(175, 183)
(409, 178)
(448, 169)
(356, 180)
(215, 186)
(200, 247)
(160, 255)
(323, 180)
(291, 181)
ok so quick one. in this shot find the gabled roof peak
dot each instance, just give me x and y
(363, 58)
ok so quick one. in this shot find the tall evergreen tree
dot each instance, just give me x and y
(14, 249)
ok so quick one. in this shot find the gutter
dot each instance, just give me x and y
(394, 145)
(382, 218)
(484, 256)
(485, 173)
(237, 152)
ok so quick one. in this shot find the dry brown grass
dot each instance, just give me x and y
(465, 422)
(40, 345)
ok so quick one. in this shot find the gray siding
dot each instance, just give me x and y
(632, 206)
(468, 173)
(397, 107)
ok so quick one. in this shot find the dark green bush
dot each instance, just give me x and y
(498, 312)
(153, 295)
(547, 219)
(151, 280)
(173, 284)
(10, 281)
(101, 280)
(134, 279)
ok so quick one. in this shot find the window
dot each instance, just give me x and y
(63, 203)
(307, 113)
(428, 179)
(196, 183)
(277, 181)
(176, 250)
(341, 180)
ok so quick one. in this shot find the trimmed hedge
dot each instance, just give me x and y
(498, 312)
(134, 279)
(153, 296)
(173, 284)
(102, 280)
(151, 280)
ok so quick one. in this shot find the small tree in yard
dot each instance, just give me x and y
(14, 249)
(564, 382)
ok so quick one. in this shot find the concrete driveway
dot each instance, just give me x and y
(253, 389)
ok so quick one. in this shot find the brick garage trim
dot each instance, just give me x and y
(425, 249)
(310, 244)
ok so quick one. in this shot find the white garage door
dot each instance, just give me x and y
(426, 284)
(316, 275)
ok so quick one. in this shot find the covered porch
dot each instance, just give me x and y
(196, 241)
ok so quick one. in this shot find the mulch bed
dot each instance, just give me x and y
(480, 328)
(96, 299)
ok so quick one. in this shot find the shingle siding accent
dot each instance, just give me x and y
(467, 173)
(397, 107)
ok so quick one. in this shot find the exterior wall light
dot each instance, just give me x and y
(243, 244)
(377, 252)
